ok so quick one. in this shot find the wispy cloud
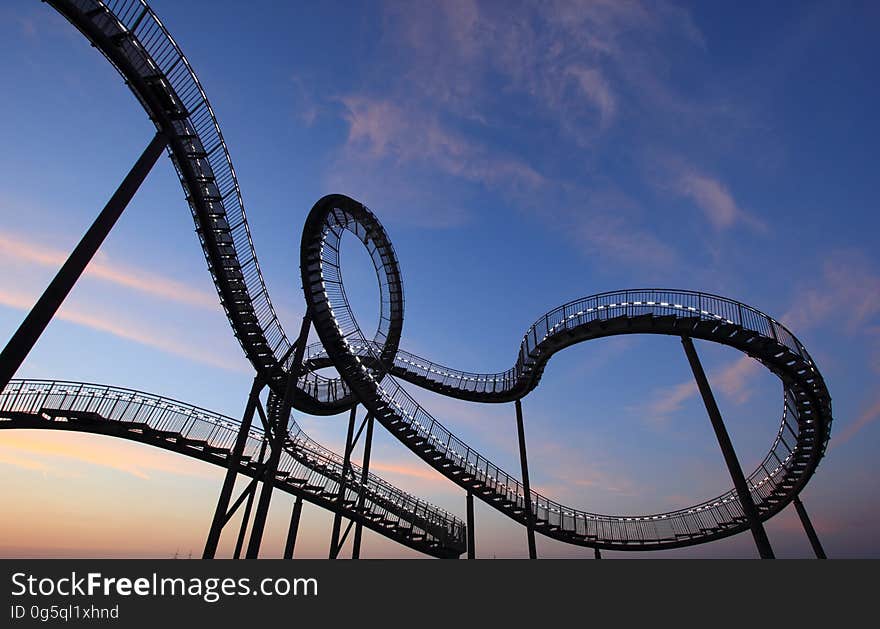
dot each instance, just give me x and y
(667, 401)
(573, 472)
(866, 417)
(380, 129)
(388, 142)
(456, 78)
(17, 460)
(19, 247)
(136, 461)
(559, 57)
(605, 354)
(848, 291)
(28, 27)
(596, 90)
(418, 470)
(136, 332)
(732, 379)
(712, 197)
(707, 192)
(604, 234)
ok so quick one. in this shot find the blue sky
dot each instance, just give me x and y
(520, 156)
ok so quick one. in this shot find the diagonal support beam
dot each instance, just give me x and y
(471, 551)
(267, 427)
(293, 529)
(733, 466)
(246, 518)
(278, 438)
(24, 339)
(808, 528)
(346, 463)
(221, 512)
(365, 474)
(357, 435)
(345, 534)
(524, 462)
(245, 494)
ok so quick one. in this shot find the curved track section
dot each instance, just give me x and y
(794, 453)
(306, 468)
(135, 41)
(137, 44)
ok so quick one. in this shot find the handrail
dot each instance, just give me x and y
(217, 430)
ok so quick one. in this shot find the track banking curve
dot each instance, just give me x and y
(133, 39)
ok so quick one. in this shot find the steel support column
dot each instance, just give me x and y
(294, 528)
(808, 527)
(470, 526)
(530, 521)
(245, 519)
(733, 466)
(21, 343)
(278, 438)
(365, 474)
(346, 465)
(220, 512)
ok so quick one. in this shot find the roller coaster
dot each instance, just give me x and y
(276, 454)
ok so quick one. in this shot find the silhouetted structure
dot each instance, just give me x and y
(276, 453)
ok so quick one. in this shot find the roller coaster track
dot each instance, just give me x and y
(307, 469)
(135, 41)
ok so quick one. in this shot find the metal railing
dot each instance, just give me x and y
(602, 306)
(706, 518)
(303, 458)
